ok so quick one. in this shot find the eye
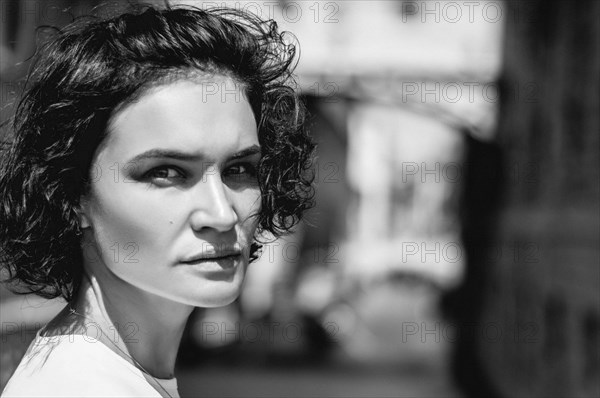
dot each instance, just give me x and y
(161, 175)
(242, 168)
(241, 171)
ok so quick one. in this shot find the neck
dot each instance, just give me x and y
(138, 324)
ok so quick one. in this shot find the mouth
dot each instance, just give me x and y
(208, 259)
(215, 254)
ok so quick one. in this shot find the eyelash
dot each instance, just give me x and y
(149, 174)
(250, 171)
(250, 168)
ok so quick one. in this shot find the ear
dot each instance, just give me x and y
(82, 213)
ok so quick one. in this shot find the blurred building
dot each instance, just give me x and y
(404, 83)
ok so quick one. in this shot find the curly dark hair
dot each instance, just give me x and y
(95, 65)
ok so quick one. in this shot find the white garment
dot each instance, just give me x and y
(80, 366)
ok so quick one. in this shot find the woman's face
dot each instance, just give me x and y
(174, 190)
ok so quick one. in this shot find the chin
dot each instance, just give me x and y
(218, 299)
(216, 294)
(216, 291)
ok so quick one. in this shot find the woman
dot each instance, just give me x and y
(150, 152)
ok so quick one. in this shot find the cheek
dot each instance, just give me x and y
(130, 224)
(248, 204)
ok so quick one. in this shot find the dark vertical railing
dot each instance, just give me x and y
(532, 237)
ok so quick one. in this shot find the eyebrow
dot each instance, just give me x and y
(185, 156)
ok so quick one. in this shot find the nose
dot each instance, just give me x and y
(212, 206)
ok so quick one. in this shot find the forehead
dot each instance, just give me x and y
(207, 115)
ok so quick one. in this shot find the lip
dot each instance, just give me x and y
(214, 253)
(213, 259)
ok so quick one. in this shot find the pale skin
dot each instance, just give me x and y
(148, 212)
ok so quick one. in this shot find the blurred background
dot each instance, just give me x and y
(454, 249)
